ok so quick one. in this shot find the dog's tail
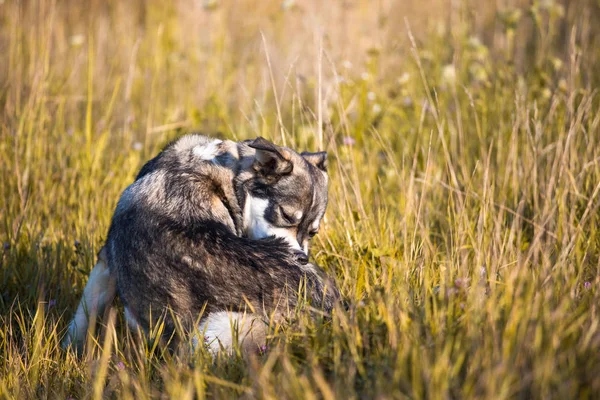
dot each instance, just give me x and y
(99, 292)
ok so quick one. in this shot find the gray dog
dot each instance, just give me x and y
(218, 229)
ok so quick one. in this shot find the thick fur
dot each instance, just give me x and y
(211, 226)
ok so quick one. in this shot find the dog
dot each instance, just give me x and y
(213, 228)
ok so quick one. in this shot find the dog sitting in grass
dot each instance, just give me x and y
(217, 229)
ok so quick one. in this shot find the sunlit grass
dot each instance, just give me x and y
(463, 225)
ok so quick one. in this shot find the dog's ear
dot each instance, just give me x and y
(318, 159)
(271, 159)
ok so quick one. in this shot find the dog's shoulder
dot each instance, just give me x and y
(193, 152)
(190, 179)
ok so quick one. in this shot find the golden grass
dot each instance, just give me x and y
(463, 225)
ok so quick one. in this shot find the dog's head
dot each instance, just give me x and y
(286, 194)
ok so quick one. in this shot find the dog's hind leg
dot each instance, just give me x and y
(98, 293)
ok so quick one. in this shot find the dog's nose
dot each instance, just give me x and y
(301, 256)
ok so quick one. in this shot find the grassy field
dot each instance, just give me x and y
(463, 225)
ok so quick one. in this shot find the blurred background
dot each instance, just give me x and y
(212, 64)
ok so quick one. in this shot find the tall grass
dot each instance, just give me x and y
(463, 225)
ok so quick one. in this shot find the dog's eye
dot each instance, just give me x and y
(290, 219)
(312, 233)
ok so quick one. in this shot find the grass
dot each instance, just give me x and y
(463, 225)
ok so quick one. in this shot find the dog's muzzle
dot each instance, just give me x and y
(301, 256)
